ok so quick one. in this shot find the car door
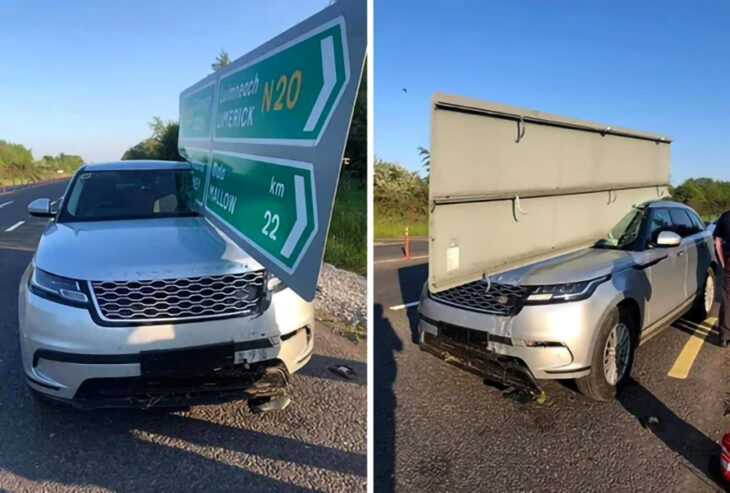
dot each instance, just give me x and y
(668, 272)
(683, 227)
(699, 255)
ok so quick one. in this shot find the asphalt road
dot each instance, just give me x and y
(390, 250)
(452, 432)
(317, 443)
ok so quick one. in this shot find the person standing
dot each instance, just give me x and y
(722, 246)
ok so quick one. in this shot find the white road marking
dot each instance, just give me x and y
(400, 259)
(6, 203)
(401, 307)
(11, 228)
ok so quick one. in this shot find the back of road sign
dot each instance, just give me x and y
(511, 186)
(265, 136)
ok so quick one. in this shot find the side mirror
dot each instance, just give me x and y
(668, 239)
(40, 208)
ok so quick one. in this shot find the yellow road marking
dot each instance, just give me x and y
(692, 347)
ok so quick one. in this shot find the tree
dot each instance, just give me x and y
(356, 149)
(708, 197)
(397, 189)
(18, 166)
(162, 145)
(221, 61)
(425, 159)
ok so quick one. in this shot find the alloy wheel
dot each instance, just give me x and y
(616, 353)
(709, 293)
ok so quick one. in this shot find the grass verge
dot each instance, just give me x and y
(346, 247)
(392, 224)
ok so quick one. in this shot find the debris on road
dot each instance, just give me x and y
(343, 371)
(652, 423)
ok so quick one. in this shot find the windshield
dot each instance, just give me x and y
(624, 233)
(133, 194)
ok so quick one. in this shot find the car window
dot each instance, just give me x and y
(660, 221)
(696, 221)
(133, 194)
(681, 223)
(624, 233)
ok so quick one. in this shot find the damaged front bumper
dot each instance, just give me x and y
(467, 349)
(248, 382)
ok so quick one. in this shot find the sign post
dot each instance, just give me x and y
(265, 137)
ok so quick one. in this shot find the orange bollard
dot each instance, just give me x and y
(407, 246)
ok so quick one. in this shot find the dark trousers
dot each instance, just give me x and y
(725, 307)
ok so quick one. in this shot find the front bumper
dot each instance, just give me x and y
(541, 342)
(68, 356)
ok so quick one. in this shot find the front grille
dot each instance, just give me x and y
(192, 297)
(463, 336)
(500, 299)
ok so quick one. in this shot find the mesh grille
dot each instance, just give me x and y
(501, 299)
(160, 299)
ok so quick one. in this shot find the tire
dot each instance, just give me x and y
(596, 384)
(700, 309)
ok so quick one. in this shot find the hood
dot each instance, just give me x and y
(139, 250)
(581, 265)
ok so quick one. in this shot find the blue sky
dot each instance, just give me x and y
(85, 77)
(662, 67)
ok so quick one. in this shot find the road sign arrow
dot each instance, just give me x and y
(329, 76)
(301, 222)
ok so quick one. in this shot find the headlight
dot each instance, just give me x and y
(57, 286)
(573, 291)
(274, 284)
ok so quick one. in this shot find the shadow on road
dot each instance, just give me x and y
(386, 344)
(114, 450)
(410, 280)
(681, 437)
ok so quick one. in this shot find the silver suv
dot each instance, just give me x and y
(134, 299)
(580, 315)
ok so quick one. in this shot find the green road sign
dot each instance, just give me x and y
(262, 131)
(199, 160)
(287, 95)
(196, 113)
(269, 202)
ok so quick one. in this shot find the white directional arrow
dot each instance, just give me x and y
(301, 222)
(329, 75)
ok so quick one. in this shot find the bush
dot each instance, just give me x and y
(708, 197)
(17, 165)
(400, 199)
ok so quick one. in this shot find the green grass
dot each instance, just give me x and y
(346, 247)
(7, 182)
(392, 224)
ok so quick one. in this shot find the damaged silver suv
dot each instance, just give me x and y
(581, 315)
(134, 299)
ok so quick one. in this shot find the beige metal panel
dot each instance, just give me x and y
(483, 238)
(473, 154)
(566, 171)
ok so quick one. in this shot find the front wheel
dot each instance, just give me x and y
(613, 356)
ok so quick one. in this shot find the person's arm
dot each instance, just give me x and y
(720, 252)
